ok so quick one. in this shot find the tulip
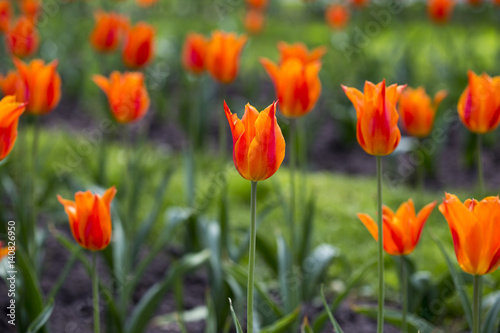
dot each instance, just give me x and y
(4, 250)
(258, 4)
(194, 52)
(9, 83)
(145, 3)
(300, 52)
(31, 9)
(474, 2)
(39, 85)
(440, 10)
(258, 144)
(5, 15)
(337, 16)
(360, 3)
(10, 111)
(107, 31)
(417, 111)
(479, 104)
(223, 55)
(138, 50)
(22, 39)
(254, 21)
(402, 229)
(297, 85)
(377, 127)
(127, 95)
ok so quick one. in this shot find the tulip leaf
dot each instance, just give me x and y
(306, 327)
(307, 229)
(64, 273)
(192, 315)
(285, 324)
(287, 277)
(235, 319)
(40, 321)
(334, 322)
(493, 315)
(315, 267)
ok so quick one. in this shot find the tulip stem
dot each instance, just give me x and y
(480, 165)
(404, 294)
(95, 292)
(34, 172)
(380, 316)
(222, 127)
(293, 167)
(251, 257)
(477, 306)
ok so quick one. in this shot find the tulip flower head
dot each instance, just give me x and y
(475, 228)
(10, 111)
(255, 20)
(9, 83)
(417, 110)
(5, 15)
(39, 85)
(360, 3)
(337, 16)
(479, 104)
(31, 9)
(22, 38)
(440, 10)
(127, 95)
(108, 30)
(402, 230)
(257, 4)
(299, 51)
(90, 218)
(145, 3)
(377, 126)
(139, 45)
(194, 53)
(258, 144)
(223, 55)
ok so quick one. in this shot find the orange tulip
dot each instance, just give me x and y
(402, 229)
(496, 2)
(31, 9)
(5, 15)
(474, 2)
(138, 50)
(297, 85)
(10, 111)
(417, 111)
(127, 96)
(475, 228)
(377, 128)
(194, 52)
(4, 250)
(258, 4)
(223, 55)
(9, 83)
(108, 31)
(90, 218)
(300, 51)
(254, 21)
(479, 104)
(360, 3)
(145, 3)
(22, 39)
(39, 85)
(337, 16)
(258, 144)
(440, 10)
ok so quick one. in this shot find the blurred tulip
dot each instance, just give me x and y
(4, 250)
(475, 2)
(10, 111)
(479, 104)
(22, 39)
(377, 128)
(31, 9)
(402, 229)
(90, 218)
(127, 96)
(258, 144)
(417, 111)
(300, 52)
(194, 52)
(108, 31)
(138, 50)
(440, 10)
(258, 4)
(223, 55)
(254, 21)
(39, 85)
(360, 3)
(337, 16)
(145, 3)
(5, 15)
(475, 228)
(9, 82)
(296, 84)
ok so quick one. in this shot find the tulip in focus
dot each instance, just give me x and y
(475, 228)
(255, 20)
(127, 95)
(9, 82)
(417, 111)
(194, 53)
(22, 39)
(5, 15)
(402, 230)
(139, 48)
(39, 85)
(258, 4)
(337, 16)
(223, 55)
(10, 111)
(440, 10)
(258, 144)
(299, 51)
(108, 31)
(479, 104)
(377, 126)
(90, 218)
(31, 9)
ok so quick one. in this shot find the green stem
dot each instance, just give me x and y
(404, 294)
(222, 127)
(380, 315)
(480, 165)
(95, 292)
(420, 174)
(293, 167)
(477, 304)
(34, 172)
(251, 258)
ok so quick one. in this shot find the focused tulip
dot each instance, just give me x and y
(127, 95)
(39, 85)
(440, 10)
(258, 4)
(223, 55)
(5, 15)
(194, 53)
(258, 144)
(402, 230)
(31, 9)
(299, 51)
(90, 218)
(255, 20)
(10, 111)
(108, 31)
(417, 111)
(337, 16)
(139, 48)
(377, 127)
(9, 83)
(297, 85)
(475, 228)
(479, 104)
(22, 39)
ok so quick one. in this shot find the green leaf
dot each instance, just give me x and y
(307, 229)
(235, 319)
(287, 276)
(42, 318)
(316, 266)
(330, 315)
(189, 316)
(493, 315)
(64, 273)
(306, 328)
(284, 324)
